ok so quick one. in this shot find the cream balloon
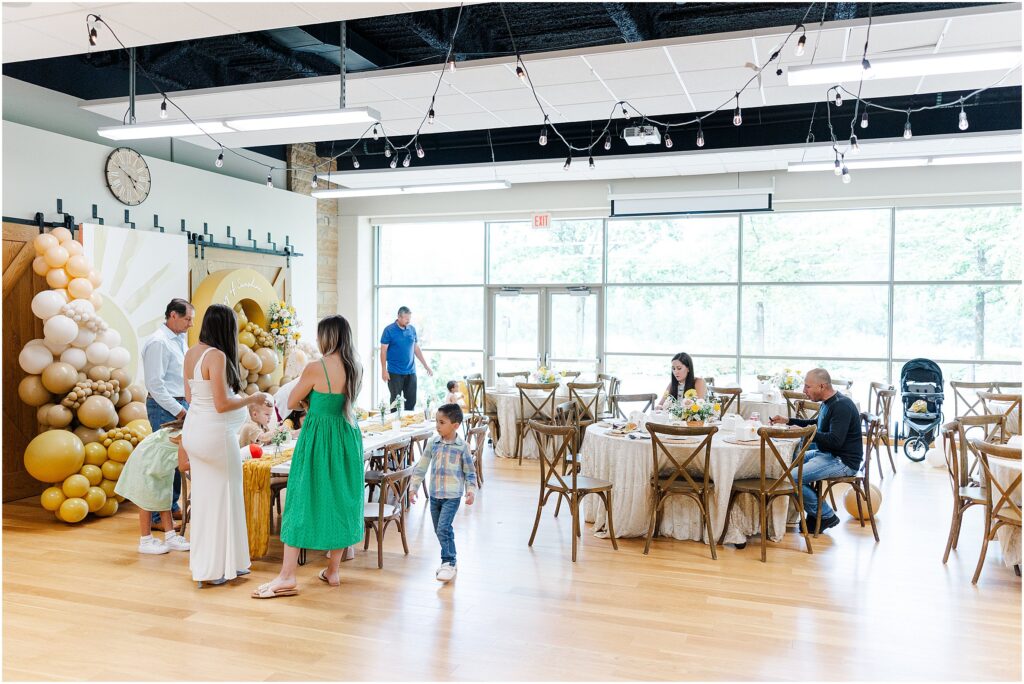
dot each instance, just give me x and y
(80, 288)
(84, 338)
(109, 337)
(57, 278)
(40, 267)
(47, 304)
(44, 242)
(62, 234)
(82, 306)
(139, 392)
(78, 267)
(60, 329)
(251, 361)
(97, 353)
(56, 257)
(268, 361)
(75, 357)
(34, 359)
(119, 357)
(55, 349)
(74, 248)
(96, 299)
(95, 278)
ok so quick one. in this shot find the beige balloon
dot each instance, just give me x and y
(268, 357)
(98, 373)
(32, 392)
(40, 267)
(131, 411)
(272, 390)
(96, 300)
(57, 278)
(62, 234)
(43, 414)
(95, 278)
(252, 377)
(59, 377)
(80, 288)
(251, 361)
(251, 388)
(60, 416)
(89, 435)
(138, 392)
(78, 267)
(97, 412)
(121, 376)
(264, 382)
(74, 247)
(43, 242)
(56, 257)
(124, 397)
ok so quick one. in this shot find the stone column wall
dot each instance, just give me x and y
(303, 156)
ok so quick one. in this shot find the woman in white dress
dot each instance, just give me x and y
(220, 547)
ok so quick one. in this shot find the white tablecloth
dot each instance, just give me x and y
(1013, 419)
(764, 406)
(627, 464)
(371, 441)
(1005, 470)
(506, 402)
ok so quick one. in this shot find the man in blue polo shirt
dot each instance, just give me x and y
(398, 345)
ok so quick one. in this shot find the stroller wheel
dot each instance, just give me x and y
(915, 449)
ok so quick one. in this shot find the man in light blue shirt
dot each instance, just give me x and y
(398, 345)
(163, 358)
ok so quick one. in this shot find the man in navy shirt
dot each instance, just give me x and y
(398, 344)
(838, 450)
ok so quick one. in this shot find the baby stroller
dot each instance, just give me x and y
(920, 381)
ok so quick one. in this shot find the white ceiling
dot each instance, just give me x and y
(36, 30)
(662, 77)
(679, 164)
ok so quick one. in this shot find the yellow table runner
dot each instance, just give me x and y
(256, 490)
(375, 426)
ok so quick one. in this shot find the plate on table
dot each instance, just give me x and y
(742, 442)
(679, 439)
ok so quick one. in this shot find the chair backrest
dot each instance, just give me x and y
(611, 387)
(961, 395)
(727, 397)
(394, 489)
(532, 407)
(769, 436)
(1001, 386)
(883, 407)
(699, 457)
(589, 404)
(567, 413)
(476, 437)
(555, 443)
(1011, 408)
(872, 426)
(570, 374)
(620, 399)
(417, 445)
(807, 409)
(709, 381)
(841, 385)
(1000, 494)
(791, 397)
(956, 465)
(993, 428)
(475, 395)
(873, 389)
(525, 375)
(399, 453)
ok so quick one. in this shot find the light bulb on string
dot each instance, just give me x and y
(93, 36)
(451, 65)
(313, 184)
(521, 73)
(668, 140)
(962, 125)
(419, 150)
(270, 181)
(220, 160)
(591, 162)
(376, 135)
(394, 162)
(866, 66)
(700, 134)
(838, 167)
(607, 142)
(568, 162)
(839, 98)
(737, 115)
(407, 160)
(543, 138)
(387, 150)
(846, 175)
(625, 112)
(430, 116)
(854, 146)
(801, 43)
(864, 120)
(907, 132)
(163, 109)
(355, 162)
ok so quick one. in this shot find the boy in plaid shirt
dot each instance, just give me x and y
(453, 471)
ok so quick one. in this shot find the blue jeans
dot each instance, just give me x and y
(817, 466)
(442, 512)
(158, 415)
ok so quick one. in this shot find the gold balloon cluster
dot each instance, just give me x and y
(257, 357)
(76, 379)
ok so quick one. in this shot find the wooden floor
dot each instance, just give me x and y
(80, 603)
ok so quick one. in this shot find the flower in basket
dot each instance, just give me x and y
(789, 380)
(545, 375)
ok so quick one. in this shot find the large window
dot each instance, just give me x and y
(859, 292)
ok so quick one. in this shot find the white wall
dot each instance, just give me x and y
(39, 166)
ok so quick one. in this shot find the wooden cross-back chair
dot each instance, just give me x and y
(961, 390)
(806, 409)
(539, 409)
(554, 442)
(859, 481)
(993, 429)
(588, 405)
(1001, 509)
(791, 397)
(1011, 411)
(611, 388)
(728, 397)
(766, 489)
(965, 493)
(883, 409)
(478, 405)
(476, 438)
(671, 475)
(389, 508)
(647, 400)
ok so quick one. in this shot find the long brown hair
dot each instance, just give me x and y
(220, 331)
(334, 336)
(691, 379)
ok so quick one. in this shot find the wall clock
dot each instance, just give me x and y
(128, 176)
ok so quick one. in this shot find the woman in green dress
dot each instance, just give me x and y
(324, 505)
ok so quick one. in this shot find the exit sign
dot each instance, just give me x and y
(541, 220)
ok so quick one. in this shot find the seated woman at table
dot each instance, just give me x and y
(683, 379)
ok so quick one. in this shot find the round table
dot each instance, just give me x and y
(1005, 470)
(506, 403)
(628, 463)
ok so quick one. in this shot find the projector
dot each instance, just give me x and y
(641, 135)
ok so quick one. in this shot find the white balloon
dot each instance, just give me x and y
(60, 329)
(55, 349)
(47, 304)
(118, 357)
(38, 341)
(84, 338)
(97, 353)
(34, 358)
(936, 457)
(74, 357)
(109, 337)
(83, 305)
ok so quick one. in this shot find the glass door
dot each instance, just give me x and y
(572, 326)
(517, 330)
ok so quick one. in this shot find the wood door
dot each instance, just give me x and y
(20, 283)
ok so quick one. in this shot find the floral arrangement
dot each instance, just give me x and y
(284, 325)
(280, 436)
(692, 408)
(384, 408)
(789, 379)
(545, 375)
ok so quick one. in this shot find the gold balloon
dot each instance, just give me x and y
(75, 486)
(273, 389)
(251, 361)
(92, 473)
(108, 488)
(135, 410)
(32, 392)
(138, 392)
(263, 383)
(98, 373)
(96, 498)
(44, 242)
(59, 377)
(850, 501)
(119, 498)
(245, 337)
(59, 416)
(52, 498)
(89, 435)
(40, 267)
(95, 454)
(57, 278)
(268, 360)
(56, 257)
(54, 455)
(119, 451)
(121, 376)
(62, 234)
(43, 413)
(108, 509)
(73, 510)
(80, 288)
(111, 470)
(78, 267)
(124, 397)
(96, 412)
(140, 427)
(251, 388)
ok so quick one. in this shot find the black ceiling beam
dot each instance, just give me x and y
(417, 24)
(626, 22)
(330, 34)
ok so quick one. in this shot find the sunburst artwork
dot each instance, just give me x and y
(142, 271)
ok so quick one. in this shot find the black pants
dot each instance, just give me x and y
(403, 384)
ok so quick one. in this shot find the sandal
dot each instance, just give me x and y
(265, 592)
(323, 578)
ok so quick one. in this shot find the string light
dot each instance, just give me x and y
(430, 116)
(962, 125)
(220, 160)
(520, 73)
(801, 44)
(846, 174)
(625, 113)
(419, 150)
(568, 162)
(839, 167)
(376, 135)
(737, 116)
(866, 66)
(407, 160)
(394, 162)
(607, 142)
(907, 133)
(313, 184)
(163, 109)
(387, 150)
(668, 140)
(854, 147)
(839, 99)
(864, 119)
(270, 181)
(543, 139)
(700, 135)
(451, 65)
(93, 36)
(355, 162)
(592, 162)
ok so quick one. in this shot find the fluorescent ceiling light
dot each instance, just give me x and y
(901, 67)
(412, 189)
(336, 117)
(994, 158)
(897, 162)
(173, 129)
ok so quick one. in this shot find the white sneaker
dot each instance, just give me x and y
(446, 573)
(177, 543)
(153, 546)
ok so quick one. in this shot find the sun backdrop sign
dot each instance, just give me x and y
(141, 271)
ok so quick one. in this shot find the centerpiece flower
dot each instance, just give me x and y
(545, 375)
(789, 379)
(692, 408)
(284, 326)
